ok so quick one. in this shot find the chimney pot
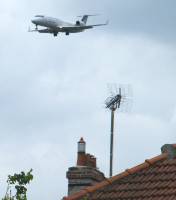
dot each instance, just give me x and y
(81, 146)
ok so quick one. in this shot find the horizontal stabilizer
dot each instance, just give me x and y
(88, 15)
(85, 17)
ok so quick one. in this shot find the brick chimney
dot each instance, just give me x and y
(85, 173)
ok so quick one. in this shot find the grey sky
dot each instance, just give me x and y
(52, 90)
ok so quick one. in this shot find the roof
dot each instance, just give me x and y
(155, 179)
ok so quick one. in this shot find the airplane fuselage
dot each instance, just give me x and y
(54, 23)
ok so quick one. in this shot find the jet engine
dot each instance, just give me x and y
(78, 23)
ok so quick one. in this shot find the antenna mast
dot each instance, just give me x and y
(113, 103)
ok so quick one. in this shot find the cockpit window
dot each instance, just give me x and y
(39, 16)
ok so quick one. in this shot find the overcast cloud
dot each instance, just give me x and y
(52, 90)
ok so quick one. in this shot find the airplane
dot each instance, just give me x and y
(54, 25)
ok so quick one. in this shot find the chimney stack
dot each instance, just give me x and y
(85, 173)
(83, 158)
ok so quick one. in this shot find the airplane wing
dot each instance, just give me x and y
(77, 28)
(47, 30)
(70, 28)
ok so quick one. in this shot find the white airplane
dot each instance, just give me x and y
(54, 25)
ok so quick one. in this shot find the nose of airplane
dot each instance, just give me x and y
(34, 21)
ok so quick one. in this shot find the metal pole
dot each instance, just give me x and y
(111, 142)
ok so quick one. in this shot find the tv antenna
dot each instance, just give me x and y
(113, 103)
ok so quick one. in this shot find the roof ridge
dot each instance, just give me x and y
(108, 181)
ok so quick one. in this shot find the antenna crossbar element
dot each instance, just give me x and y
(114, 102)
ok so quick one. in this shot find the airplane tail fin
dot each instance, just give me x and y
(85, 17)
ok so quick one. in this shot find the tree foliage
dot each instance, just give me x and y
(19, 182)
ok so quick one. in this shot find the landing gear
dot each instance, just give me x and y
(36, 27)
(67, 33)
(55, 34)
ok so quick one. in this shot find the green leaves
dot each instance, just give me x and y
(19, 181)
